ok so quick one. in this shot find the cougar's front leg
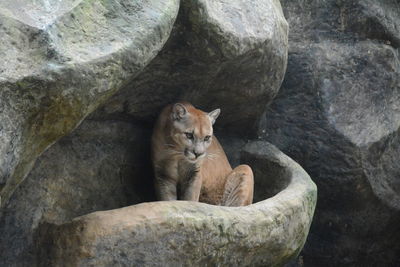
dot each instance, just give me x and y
(190, 182)
(165, 186)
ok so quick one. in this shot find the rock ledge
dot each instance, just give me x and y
(270, 232)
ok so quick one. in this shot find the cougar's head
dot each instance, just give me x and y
(192, 130)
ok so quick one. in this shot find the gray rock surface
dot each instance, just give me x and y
(64, 59)
(228, 55)
(268, 233)
(60, 60)
(338, 115)
(101, 165)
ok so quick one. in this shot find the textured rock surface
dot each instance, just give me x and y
(230, 55)
(60, 60)
(268, 233)
(338, 115)
(100, 166)
(65, 58)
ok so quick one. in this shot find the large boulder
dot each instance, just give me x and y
(174, 233)
(228, 55)
(60, 60)
(338, 115)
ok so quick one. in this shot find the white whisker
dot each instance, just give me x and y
(212, 156)
(170, 145)
(172, 151)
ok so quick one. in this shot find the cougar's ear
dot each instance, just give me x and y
(179, 112)
(214, 115)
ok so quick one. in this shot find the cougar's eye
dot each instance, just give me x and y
(189, 136)
(207, 138)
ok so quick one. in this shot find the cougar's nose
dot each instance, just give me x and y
(197, 154)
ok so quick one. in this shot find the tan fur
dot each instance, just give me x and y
(208, 178)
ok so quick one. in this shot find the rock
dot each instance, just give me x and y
(338, 115)
(101, 165)
(60, 61)
(72, 57)
(228, 55)
(268, 233)
(373, 19)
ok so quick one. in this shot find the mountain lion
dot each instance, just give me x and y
(190, 164)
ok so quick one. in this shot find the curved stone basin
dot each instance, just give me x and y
(268, 233)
